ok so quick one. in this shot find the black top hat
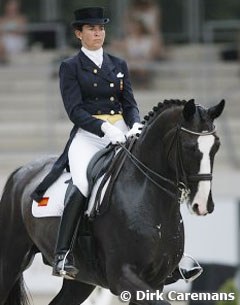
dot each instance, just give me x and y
(89, 15)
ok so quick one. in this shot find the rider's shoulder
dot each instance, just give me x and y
(116, 59)
(118, 62)
(70, 60)
(69, 63)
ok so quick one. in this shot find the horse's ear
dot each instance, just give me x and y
(215, 111)
(189, 110)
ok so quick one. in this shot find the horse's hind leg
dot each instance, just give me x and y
(16, 251)
(72, 293)
(12, 264)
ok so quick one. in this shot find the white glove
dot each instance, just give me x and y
(114, 134)
(134, 130)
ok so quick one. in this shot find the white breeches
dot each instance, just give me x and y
(83, 147)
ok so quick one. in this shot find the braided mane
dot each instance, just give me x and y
(150, 117)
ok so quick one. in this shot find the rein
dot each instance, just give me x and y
(143, 168)
(181, 186)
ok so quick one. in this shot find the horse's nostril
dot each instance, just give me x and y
(195, 207)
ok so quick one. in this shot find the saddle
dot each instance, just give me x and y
(106, 163)
(99, 164)
(97, 167)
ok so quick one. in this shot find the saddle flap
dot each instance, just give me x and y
(99, 164)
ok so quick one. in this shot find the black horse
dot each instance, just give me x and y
(139, 242)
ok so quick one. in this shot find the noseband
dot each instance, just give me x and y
(182, 180)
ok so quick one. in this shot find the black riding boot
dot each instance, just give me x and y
(63, 262)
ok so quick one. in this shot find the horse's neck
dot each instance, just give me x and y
(149, 150)
(154, 171)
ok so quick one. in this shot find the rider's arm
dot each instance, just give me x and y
(73, 102)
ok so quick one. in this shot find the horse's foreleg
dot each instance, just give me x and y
(72, 293)
(132, 283)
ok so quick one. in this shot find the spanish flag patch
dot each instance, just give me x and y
(43, 202)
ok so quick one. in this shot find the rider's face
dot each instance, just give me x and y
(92, 36)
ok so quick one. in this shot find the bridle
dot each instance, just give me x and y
(190, 178)
(182, 178)
(199, 177)
(181, 183)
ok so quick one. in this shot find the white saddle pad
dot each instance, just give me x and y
(52, 203)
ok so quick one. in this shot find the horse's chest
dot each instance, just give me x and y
(171, 239)
(166, 253)
(175, 238)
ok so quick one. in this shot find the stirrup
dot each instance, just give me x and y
(63, 272)
(198, 266)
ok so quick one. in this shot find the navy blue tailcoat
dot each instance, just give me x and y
(88, 90)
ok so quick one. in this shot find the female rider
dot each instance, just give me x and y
(98, 99)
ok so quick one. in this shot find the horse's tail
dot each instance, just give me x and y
(18, 294)
(9, 182)
(5, 200)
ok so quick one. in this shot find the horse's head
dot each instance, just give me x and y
(183, 136)
(192, 156)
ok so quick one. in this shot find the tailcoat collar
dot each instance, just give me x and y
(106, 69)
